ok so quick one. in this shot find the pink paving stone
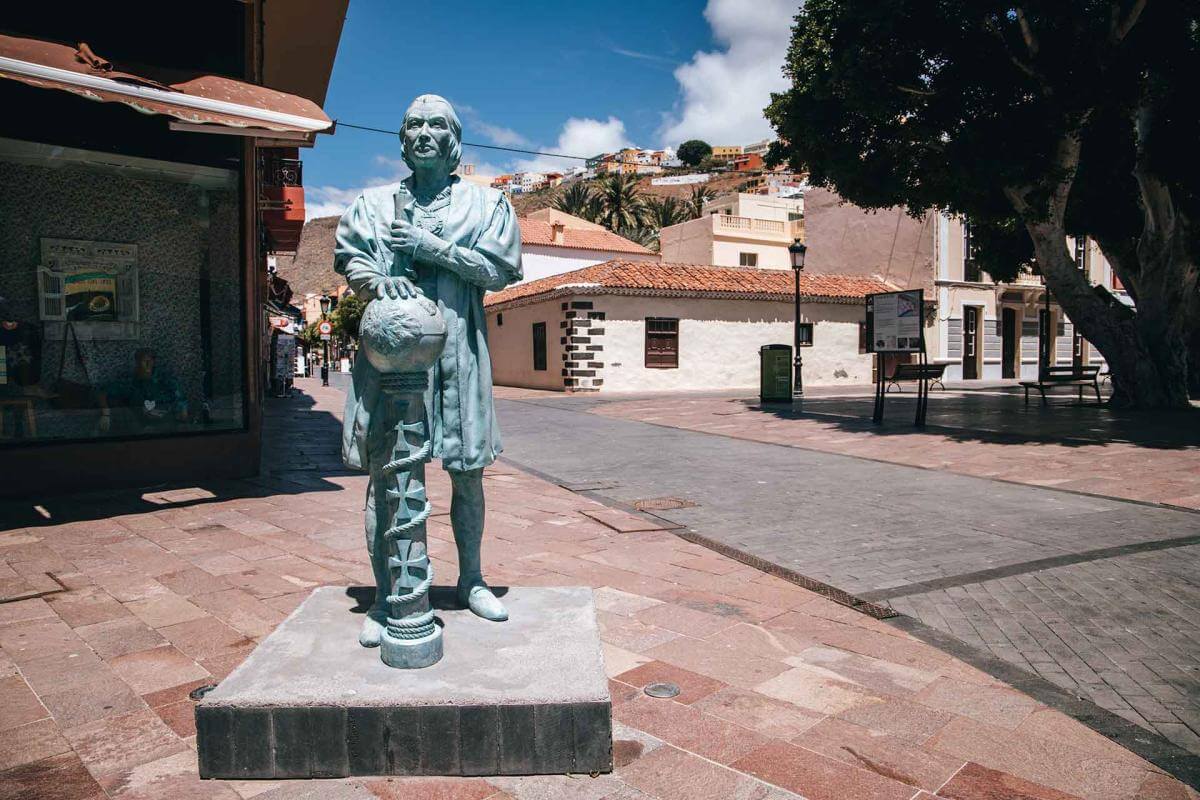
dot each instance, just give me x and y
(78, 706)
(24, 610)
(631, 634)
(39, 638)
(886, 755)
(754, 640)
(873, 673)
(1000, 706)
(766, 715)
(431, 788)
(685, 620)
(176, 777)
(174, 694)
(33, 741)
(86, 607)
(220, 666)
(900, 718)
(718, 660)
(692, 685)
(1161, 787)
(974, 782)
(1044, 761)
(163, 610)
(110, 746)
(158, 668)
(702, 597)
(192, 580)
(818, 777)
(59, 777)
(207, 637)
(119, 636)
(21, 706)
(179, 717)
(816, 691)
(685, 727)
(126, 586)
(623, 522)
(671, 774)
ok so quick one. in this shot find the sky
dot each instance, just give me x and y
(579, 77)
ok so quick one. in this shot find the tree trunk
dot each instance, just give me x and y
(1146, 352)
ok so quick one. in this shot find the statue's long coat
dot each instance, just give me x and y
(481, 223)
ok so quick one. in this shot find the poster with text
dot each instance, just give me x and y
(894, 322)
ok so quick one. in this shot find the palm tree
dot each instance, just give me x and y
(647, 236)
(666, 211)
(621, 202)
(577, 200)
(699, 197)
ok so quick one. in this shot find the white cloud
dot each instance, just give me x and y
(499, 135)
(332, 201)
(580, 136)
(724, 92)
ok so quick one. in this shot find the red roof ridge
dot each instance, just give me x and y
(642, 277)
(540, 232)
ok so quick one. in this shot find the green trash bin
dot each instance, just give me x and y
(775, 373)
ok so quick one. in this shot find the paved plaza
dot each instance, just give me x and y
(115, 607)
(1096, 595)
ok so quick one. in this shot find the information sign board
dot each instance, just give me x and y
(894, 321)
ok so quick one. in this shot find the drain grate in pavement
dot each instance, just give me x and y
(663, 504)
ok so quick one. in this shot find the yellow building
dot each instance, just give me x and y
(737, 230)
(726, 152)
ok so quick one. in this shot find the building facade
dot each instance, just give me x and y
(739, 230)
(633, 327)
(993, 331)
(135, 242)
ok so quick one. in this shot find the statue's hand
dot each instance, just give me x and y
(394, 287)
(404, 237)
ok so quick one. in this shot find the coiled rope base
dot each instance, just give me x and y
(411, 639)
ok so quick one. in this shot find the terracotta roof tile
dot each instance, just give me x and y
(534, 231)
(656, 278)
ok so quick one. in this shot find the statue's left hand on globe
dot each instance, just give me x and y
(402, 334)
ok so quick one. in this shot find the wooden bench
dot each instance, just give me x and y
(1079, 377)
(914, 372)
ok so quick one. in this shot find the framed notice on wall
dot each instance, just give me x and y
(93, 285)
(894, 321)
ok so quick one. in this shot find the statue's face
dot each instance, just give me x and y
(428, 137)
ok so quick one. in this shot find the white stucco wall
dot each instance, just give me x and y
(542, 261)
(688, 242)
(511, 346)
(719, 342)
(771, 255)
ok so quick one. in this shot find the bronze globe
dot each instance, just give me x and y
(402, 335)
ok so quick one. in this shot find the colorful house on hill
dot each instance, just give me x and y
(626, 326)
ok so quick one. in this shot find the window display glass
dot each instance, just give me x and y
(120, 296)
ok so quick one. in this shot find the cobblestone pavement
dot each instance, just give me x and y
(131, 600)
(1099, 597)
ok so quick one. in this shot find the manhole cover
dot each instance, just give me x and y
(662, 690)
(662, 503)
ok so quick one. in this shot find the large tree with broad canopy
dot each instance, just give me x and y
(1036, 122)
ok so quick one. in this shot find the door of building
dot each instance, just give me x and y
(1009, 343)
(970, 364)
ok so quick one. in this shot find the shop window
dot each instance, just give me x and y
(804, 332)
(662, 343)
(539, 346)
(748, 259)
(122, 296)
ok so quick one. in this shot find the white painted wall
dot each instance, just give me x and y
(719, 342)
(542, 261)
(511, 346)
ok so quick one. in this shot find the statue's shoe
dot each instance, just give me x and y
(482, 602)
(372, 631)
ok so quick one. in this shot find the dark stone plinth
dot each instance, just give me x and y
(526, 696)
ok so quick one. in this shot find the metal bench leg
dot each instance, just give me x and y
(1097, 388)
(1045, 402)
(1027, 397)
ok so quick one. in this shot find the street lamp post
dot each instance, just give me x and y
(796, 251)
(325, 303)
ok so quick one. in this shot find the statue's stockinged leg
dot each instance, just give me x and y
(411, 639)
(466, 517)
(378, 518)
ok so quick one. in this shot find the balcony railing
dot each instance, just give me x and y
(791, 229)
(281, 171)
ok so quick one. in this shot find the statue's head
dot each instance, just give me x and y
(431, 133)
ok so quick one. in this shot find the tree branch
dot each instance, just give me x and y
(1031, 42)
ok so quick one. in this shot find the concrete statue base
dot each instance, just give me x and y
(527, 696)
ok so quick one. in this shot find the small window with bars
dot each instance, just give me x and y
(748, 259)
(662, 343)
(1081, 254)
(804, 334)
